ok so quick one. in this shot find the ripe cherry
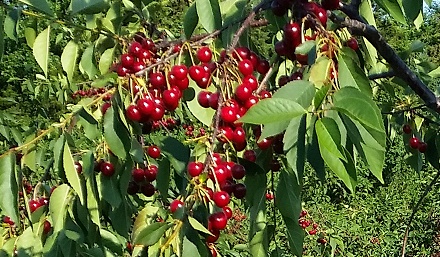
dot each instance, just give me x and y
(171, 99)
(221, 173)
(238, 171)
(78, 167)
(303, 213)
(277, 8)
(269, 196)
(423, 147)
(195, 168)
(245, 67)
(127, 61)
(138, 175)
(214, 237)
(243, 92)
(196, 73)
(145, 106)
(225, 134)
(312, 232)
(204, 54)
(135, 48)
(122, 71)
(153, 151)
(250, 155)
(203, 98)
(275, 165)
(158, 112)
(228, 211)
(105, 107)
(263, 66)
(138, 66)
(46, 227)
(228, 114)
(353, 44)
(265, 143)
(239, 135)
(414, 142)
(322, 16)
(157, 80)
(239, 191)
(179, 71)
(330, 4)
(8, 220)
(280, 48)
(182, 84)
(218, 220)
(133, 113)
(221, 198)
(265, 94)
(107, 169)
(148, 189)
(251, 81)
(149, 44)
(204, 81)
(175, 205)
(296, 76)
(34, 204)
(213, 100)
(407, 129)
(241, 53)
(292, 34)
(150, 172)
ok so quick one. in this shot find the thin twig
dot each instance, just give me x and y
(383, 75)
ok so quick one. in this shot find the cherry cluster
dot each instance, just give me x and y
(281, 7)
(414, 141)
(91, 92)
(306, 223)
(142, 178)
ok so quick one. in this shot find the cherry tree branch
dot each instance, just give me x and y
(359, 26)
(383, 75)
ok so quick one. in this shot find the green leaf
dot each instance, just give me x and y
(28, 244)
(366, 11)
(288, 202)
(351, 75)
(89, 123)
(320, 96)
(299, 91)
(271, 110)
(198, 226)
(209, 14)
(88, 6)
(2, 33)
(151, 233)
(294, 145)
(257, 245)
(11, 23)
(371, 150)
(189, 249)
(177, 153)
(91, 189)
(272, 129)
(136, 151)
(334, 155)
(204, 115)
(116, 134)
(319, 71)
(68, 58)
(256, 198)
(106, 60)
(190, 21)
(305, 47)
(87, 63)
(41, 49)
(71, 174)
(30, 33)
(393, 8)
(359, 106)
(59, 199)
(412, 8)
(107, 187)
(40, 5)
(163, 177)
(9, 187)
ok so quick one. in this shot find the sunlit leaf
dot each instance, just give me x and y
(271, 110)
(9, 187)
(71, 173)
(209, 14)
(41, 49)
(68, 58)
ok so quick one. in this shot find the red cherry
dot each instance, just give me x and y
(253, 57)
(196, 73)
(46, 227)
(228, 211)
(204, 54)
(239, 191)
(251, 81)
(135, 48)
(158, 112)
(245, 67)
(150, 172)
(122, 71)
(250, 155)
(203, 98)
(275, 165)
(228, 114)
(133, 113)
(138, 175)
(175, 205)
(423, 147)
(180, 71)
(153, 151)
(330, 4)
(182, 84)
(204, 81)
(221, 198)
(414, 142)
(221, 173)
(213, 100)
(216, 158)
(238, 171)
(292, 34)
(302, 59)
(157, 80)
(144, 55)
(148, 189)
(242, 52)
(225, 134)
(303, 213)
(145, 106)
(127, 61)
(263, 66)
(322, 16)
(34, 204)
(195, 168)
(269, 196)
(296, 76)
(280, 48)
(312, 232)
(407, 129)
(353, 44)
(78, 167)
(265, 94)
(278, 9)
(138, 66)
(107, 169)
(228, 186)
(239, 135)
(7, 220)
(243, 92)
(265, 143)
(212, 238)
(105, 107)
(170, 99)
(149, 44)
(218, 220)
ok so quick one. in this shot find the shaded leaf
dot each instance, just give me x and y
(151, 234)
(163, 177)
(40, 5)
(11, 23)
(198, 226)
(9, 187)
(116, 134)
(190, 21)
(87, 63)
(88, 6)
(294, 145)
(177, 153)
(71, 174)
